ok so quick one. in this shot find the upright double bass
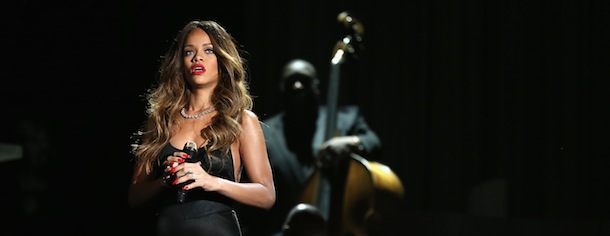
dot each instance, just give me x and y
(363, 193)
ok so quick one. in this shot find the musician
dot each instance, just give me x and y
(295, 137)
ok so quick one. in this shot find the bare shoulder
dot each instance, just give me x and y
(249, 118)
(250, 114)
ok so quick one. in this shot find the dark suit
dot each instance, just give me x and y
(292, 168)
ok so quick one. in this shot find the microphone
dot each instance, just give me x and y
(190, 148)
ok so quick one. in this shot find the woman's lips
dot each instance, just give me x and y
(197, 69)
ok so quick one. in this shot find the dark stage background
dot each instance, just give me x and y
(492, 113)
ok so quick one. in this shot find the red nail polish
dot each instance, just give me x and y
(185, 188)
(185, 155)
(175, 182)
(173, 170)
(180, 160)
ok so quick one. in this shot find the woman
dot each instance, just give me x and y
(201, 96)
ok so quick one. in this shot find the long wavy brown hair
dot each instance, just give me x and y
(165, 99)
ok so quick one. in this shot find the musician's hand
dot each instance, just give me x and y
(338, 148)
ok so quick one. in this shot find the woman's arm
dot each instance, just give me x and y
(259, 191)
(143, 187)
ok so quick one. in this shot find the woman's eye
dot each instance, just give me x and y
(209, 51)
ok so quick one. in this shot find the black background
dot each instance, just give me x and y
(488, 110)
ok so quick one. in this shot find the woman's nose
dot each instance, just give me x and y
(197, 57)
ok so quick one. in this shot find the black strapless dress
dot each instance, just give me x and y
(202, 213)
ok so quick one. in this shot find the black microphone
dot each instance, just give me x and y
(190, 148)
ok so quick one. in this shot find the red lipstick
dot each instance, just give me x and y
(197, 69)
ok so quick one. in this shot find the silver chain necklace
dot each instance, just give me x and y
(203, 113)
